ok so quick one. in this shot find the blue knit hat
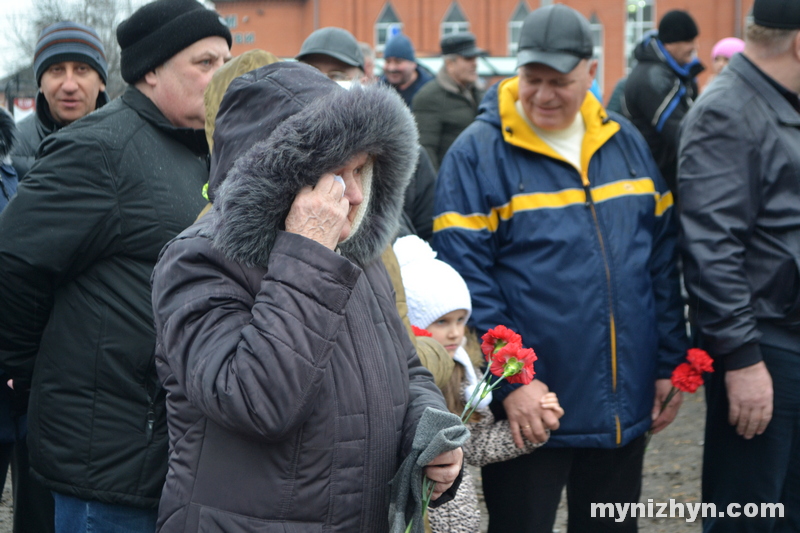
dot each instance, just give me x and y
(69, 41)
(400, 47)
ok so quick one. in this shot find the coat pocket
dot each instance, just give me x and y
(219, 521)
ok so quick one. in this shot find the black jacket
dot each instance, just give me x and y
(739, 165)
(443, 111)
(32, 131)
(658, 94)
(77, 248)
(293, 388)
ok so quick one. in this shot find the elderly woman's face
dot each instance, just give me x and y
(351, 174)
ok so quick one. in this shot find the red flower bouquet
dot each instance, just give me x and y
(687, 377)
(507, 360)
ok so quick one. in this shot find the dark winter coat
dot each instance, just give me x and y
(739, 165)
(293, 388)
(77, 248)
(32, 131)
(443, 110)
(658, 94)
(8, 175)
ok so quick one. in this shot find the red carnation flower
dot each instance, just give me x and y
(496, 338)
(686, 378)
(515, 363)
(700, 360)
(419, 332)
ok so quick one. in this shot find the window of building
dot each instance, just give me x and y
(597, 41)
(640, 20)
(454, 21)
(230, 21)
(515, 26)
(388, 26)
(249, 37)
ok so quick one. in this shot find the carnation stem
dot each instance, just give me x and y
(673, 391)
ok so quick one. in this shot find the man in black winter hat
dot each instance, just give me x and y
(88, 223)
(739, 160)
(662, 87)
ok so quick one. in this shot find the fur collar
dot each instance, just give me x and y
(255, 197)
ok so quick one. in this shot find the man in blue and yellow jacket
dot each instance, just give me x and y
(556, 216)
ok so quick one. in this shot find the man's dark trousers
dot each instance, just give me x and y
(522, 495)
(764, 469)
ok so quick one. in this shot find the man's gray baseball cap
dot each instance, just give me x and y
(334, 42)
(556, 36)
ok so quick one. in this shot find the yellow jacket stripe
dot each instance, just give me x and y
(554, 200)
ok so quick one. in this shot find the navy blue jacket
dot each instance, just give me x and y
(589, 281)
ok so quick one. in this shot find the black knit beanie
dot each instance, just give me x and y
(780, 14)
(159, 30)
(677, 26)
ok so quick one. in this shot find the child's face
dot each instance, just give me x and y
(449, 329)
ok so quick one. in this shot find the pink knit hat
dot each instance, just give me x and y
(727, 47)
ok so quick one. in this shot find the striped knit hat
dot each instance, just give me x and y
(69, 41)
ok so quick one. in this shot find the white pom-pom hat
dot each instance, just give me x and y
(433, 288)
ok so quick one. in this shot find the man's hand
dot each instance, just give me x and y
(526, 415)
(750, 399)
(662, 420)
(444, 470)
(320, 212)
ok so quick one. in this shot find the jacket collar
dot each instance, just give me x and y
(688, 71)
(599, 128)
(194, 140)
(450, 85)
(754, 77)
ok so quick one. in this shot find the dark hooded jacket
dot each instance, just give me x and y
(293, 389)
(658, 94)
(8, 176)
(32, 131)
(77, 247)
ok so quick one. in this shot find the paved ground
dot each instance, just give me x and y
(672, 470)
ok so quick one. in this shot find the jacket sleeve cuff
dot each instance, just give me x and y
(746, 355)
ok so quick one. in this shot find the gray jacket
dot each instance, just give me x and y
(739, 162)
(293, 390)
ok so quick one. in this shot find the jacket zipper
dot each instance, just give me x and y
(590, 204)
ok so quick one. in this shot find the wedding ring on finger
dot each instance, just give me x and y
(526, 427)
(340, 180)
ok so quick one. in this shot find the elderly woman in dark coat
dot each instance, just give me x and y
(293, 391)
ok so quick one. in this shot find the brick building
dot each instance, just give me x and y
(280, 26)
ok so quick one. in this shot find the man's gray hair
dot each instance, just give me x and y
(449, 57)
(769, 42)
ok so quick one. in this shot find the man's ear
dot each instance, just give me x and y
(151, 78)
(592, 68)
(796, 46)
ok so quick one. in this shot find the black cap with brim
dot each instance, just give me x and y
(462, 44)
(556, 36)
(779, 14)
(563, 62)
(334, 42)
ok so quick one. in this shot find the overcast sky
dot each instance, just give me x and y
(9, 10)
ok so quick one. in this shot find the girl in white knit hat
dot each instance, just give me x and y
(438, 301)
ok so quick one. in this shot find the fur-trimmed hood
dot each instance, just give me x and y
(8, 133)
(304, 125)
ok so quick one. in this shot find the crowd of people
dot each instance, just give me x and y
(247, 294)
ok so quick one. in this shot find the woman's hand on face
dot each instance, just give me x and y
(320, 212)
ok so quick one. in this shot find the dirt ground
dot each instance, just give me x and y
(672, 470)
